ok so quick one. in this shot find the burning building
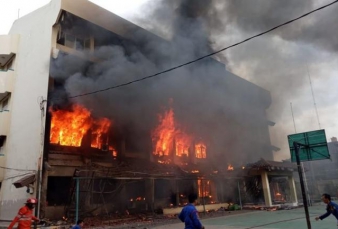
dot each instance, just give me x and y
(144, 146)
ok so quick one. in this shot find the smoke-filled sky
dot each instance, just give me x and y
(280, 61)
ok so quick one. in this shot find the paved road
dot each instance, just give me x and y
(293, 219)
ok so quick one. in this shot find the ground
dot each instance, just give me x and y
(291, 219)
(294, 219)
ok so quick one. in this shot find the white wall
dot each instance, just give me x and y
(23, 144)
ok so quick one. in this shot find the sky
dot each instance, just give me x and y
(281, 61)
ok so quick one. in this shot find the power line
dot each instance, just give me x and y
(19, 175)
(1, 167)
(203, 57)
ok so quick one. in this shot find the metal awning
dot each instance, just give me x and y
(25, 181)
(5, 58)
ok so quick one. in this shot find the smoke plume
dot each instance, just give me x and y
(205, 100)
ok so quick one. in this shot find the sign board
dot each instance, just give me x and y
(312, 146)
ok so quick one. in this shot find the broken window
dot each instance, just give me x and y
(74, 42)
(58, 190)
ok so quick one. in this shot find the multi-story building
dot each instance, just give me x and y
(42, 165)
(322, 175)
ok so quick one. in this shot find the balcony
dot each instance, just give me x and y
(4, 123)
(6, 83)
(84, 54)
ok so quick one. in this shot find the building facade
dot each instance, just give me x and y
(28, 58)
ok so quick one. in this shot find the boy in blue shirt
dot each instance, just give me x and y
(189, 214)
(79, 224)
(331, 208)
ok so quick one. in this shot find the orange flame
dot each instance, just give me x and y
(203, 188)
(102, 126)
(164, 134)
(201, 150)
(230, 167)
(69, 127)
(167, 136)
(183, 142)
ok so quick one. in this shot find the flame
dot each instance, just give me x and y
(168, 137)
(164, 162)
(195, 171)
(114, 152)
(183, 142)
(230, 167)
(164, 134)
(102, 126)
(203, 188)
(68, 127)
(201, 150)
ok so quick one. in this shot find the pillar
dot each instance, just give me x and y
(150, 194)
(174, 192)
(293, 192)
(266, 188)
(43, 194)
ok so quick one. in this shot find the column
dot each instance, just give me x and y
(266, 188)
(293, 192)
(150, 193)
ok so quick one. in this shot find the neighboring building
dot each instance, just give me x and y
(35, 41)
(322, 175)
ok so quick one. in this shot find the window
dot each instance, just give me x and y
(2, 145)
(77, 43)
(8, 66)
(4, 105)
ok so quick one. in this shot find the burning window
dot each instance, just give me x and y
(200, 150)
(170, 138)
(204, 188)
(68, 127)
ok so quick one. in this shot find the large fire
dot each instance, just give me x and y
(164, 134)
(68, 127)
(168, 136)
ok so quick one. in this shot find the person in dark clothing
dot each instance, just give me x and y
(331, 208)
(79, 224)
(189, 214)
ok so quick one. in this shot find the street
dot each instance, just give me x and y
(266, 219)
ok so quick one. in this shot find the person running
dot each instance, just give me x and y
(331, 208)
(79, 224)
(25, 215)
(189, 214)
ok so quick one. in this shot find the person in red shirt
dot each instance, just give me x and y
(25, 215)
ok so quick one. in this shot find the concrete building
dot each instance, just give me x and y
(26, 54)
(322, 175)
